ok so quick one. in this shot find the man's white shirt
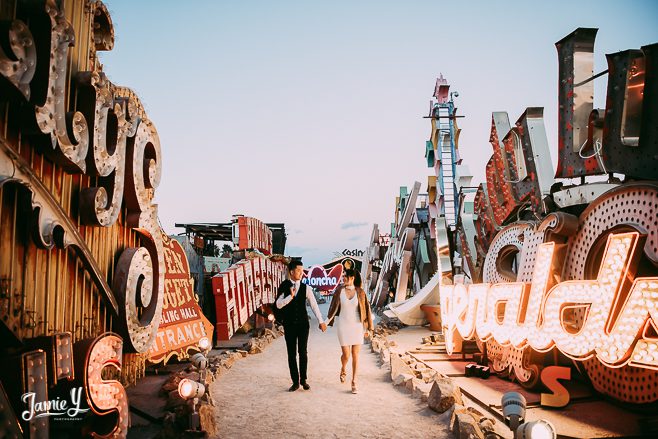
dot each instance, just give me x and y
(284, 300)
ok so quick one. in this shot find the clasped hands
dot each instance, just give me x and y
(323, 328)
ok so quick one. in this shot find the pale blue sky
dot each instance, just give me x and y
(310, 112)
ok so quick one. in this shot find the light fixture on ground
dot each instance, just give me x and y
(204, 344)
(188, 389)
(199, 361)
(192, 391)
(513, 409)
(536, 430)
(514, 405)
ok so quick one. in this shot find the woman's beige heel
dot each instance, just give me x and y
(354, 389)
(342, 376)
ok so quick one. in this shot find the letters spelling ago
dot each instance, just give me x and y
(619, 309)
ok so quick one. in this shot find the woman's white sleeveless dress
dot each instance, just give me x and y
(349, 327)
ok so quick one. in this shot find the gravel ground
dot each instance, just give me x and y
(253, 400)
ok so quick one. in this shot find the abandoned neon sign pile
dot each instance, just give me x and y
(620, 309)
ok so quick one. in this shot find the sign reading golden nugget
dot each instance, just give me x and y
(183, 325)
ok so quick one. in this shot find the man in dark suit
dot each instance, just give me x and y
(291, 300)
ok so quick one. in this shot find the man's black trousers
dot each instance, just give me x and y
(296, 341)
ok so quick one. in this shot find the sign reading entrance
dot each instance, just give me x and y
(183, 324)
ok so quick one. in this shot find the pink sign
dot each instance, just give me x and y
(319, 279)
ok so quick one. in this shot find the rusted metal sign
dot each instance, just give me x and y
(80, 162)
(586, 284)
(183, 325)
(398, 255)
(559, 272)
(242, 289)
(252, 233)
(622, 137)
(112, 143)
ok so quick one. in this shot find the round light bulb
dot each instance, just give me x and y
(204, 343)
(190, 389)
(185, 388)
(541, 430)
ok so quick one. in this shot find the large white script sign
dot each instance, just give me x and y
(619, 309)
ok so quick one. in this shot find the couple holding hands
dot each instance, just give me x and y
(349, 309)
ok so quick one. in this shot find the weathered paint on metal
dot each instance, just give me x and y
(74, 197)
(243, 289)
(183, 324)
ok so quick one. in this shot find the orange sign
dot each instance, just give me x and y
(183, 324)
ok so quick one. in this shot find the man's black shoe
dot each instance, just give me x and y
(293, 387)
(305, 386)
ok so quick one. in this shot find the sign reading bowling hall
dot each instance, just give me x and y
(183, 325)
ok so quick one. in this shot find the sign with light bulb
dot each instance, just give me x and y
(183, 327)
(619, 309)
(541, 270)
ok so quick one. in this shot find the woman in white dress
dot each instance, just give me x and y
(351, 311)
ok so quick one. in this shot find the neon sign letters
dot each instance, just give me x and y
(319, 279)
(619, 309)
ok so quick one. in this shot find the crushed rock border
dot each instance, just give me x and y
(440, 392)
(177, 410)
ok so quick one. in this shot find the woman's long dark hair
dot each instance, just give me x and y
(350, 272)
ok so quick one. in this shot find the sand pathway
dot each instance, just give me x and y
(253, 401)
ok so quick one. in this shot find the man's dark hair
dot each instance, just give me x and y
(294, 264)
